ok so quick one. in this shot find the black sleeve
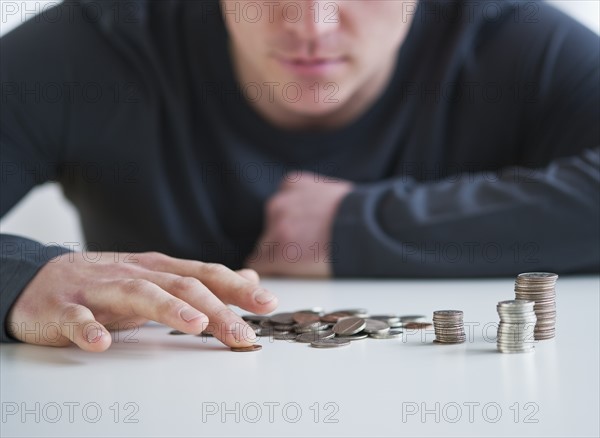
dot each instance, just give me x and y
(481, 225)
(21, 259)
(33, 116)
(543, 216)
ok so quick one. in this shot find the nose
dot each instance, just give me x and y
(310, 19)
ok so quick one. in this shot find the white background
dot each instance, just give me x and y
(46, 216)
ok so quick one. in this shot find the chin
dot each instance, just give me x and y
(312, 109)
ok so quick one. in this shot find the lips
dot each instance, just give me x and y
(315, 66)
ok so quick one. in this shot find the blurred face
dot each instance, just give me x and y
(318, 63)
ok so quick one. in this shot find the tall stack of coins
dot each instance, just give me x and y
(516, 328)
(540, 288)
(449, 327)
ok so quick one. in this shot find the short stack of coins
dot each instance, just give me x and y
(540, 288)
(516, 328)
(449, 326)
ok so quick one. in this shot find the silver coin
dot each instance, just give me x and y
(349, 326)
(284, 327)
(375, 326)
(285, 336)
(355, 337)
(254, 318)
(329, 343)
(314, 336)
(391, 334)
(310, 327)
(537, 275)
(412, 318)
(389, 318)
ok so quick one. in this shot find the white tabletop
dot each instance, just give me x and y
(152, 384)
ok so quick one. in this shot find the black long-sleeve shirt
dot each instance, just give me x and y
(480, 157)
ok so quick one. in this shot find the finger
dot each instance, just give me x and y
(80, 327)
(249, 274)
(224, 323)
(229, 286)
(140, 298)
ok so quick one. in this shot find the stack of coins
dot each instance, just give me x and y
(516, 328)
(449, 327)
(540, 288)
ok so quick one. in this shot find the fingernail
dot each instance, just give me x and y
(263, 296)
(189, 314)
(93, 335)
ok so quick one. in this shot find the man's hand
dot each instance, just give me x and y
(79, 297)
(298, 219)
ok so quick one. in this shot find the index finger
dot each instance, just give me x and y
(230, 287)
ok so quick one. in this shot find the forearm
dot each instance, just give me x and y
(474, 224)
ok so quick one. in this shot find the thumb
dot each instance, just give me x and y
(81, 328)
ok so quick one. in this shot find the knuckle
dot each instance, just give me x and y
(215, 269)
(224, 313)
(70, 313)
(169, 307)
(135, 286)
(186, 283)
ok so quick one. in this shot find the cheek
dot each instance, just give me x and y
(379, 26)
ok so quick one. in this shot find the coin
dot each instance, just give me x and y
(254, 318)
(285, 336)
(314, 336)
(311, 327)
(375, 326)
(335, 316)
(417, 325)
(286, 318)
(304, 317)
(329, 343)
(389, 318)
(412, 318)
(356, 337)
(360, 312)
(349, 326)
(254, 347)
(390, 334)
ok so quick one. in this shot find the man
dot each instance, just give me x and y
(349, 138)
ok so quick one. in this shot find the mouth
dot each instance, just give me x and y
(317, 66)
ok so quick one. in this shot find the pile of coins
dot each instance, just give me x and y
(327, 330)
(516, 328)
(449, 327)
(539, 287)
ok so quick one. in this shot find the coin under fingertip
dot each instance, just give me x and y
(250, 349)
